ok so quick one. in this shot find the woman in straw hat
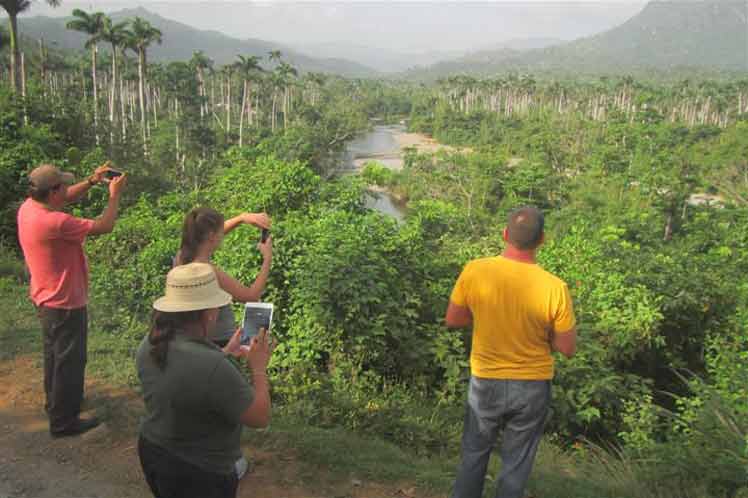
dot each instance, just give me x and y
(196, 399)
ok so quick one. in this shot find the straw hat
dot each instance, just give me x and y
(192, 287)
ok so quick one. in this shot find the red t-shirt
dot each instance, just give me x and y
(52, 243)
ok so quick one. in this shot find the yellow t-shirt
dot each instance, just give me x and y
(514, 305)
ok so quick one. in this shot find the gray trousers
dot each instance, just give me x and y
(519, 407)
(65, 334)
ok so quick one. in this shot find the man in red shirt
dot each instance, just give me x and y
(52, 243)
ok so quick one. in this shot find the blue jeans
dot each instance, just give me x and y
(519, 407)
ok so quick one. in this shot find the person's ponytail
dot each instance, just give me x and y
(198, 225)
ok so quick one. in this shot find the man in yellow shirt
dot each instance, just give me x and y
(520, 313)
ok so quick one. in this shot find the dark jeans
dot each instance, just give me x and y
(65, 337)
(171, 477)
(519, 407)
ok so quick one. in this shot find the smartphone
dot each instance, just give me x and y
(111, 174)
(256, 316)
(264, 236)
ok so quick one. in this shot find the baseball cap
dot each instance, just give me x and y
(48, 176)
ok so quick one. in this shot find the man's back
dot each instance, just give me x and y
(515, 306)
(52, 246)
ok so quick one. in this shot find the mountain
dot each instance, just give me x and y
(383, 60)
(521, 44)
(181, 40)
(390, 61)
(664, 36)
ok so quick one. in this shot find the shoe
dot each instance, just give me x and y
(78, 427)
(241, 467)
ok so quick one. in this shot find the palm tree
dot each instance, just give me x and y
(228, 72)
(316, 81)
(115, 35)
(275, 83)
(4, 42)
(92, 25)
(142, 35)
(286, 72)
(13, 8)
(275, 56)
(200, 63)
(248, 67)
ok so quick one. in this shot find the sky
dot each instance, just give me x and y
(412, 26)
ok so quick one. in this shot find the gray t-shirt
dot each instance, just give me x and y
(225, 325)
(194, 405)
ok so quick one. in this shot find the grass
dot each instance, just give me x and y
(19, 328)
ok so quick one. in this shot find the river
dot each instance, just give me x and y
(382, 145)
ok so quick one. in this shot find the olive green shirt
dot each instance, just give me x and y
(194, 405)
(225, 325)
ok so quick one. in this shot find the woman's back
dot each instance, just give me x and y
(195, 403)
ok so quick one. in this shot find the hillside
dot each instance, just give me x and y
(664, 36)
(390, 61)
(383, 60)
(181, 40)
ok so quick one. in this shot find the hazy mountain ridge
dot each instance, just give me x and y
(181, 40)
(383, 60)
(709, 34)
(390, 61)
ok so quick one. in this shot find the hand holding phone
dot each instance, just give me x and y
(111, 174)
(264, 235)
(259, 351)
(257, 316)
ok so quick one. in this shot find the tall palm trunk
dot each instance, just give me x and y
(94, 51)
(228, 105)
(241, 113)
(249, 103)
(113, 92)
(272, 117)
(14, 52)
(123, 108)
(285, 107)
(141, 81)
(201, 92)
(43, 67)
(23, 89)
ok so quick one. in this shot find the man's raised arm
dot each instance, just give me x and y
(105, 223)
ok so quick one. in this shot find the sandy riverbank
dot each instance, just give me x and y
(424, 143)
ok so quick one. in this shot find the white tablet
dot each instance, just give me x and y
(256, 316)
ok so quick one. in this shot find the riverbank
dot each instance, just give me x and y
(387, 145)
(424, 143)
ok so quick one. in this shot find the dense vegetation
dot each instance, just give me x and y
(646, 190)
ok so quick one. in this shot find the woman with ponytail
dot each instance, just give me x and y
(196, 399)
(202, 234)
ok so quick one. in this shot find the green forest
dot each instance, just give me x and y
(644, 185)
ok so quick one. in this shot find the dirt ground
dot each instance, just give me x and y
(104, 463)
